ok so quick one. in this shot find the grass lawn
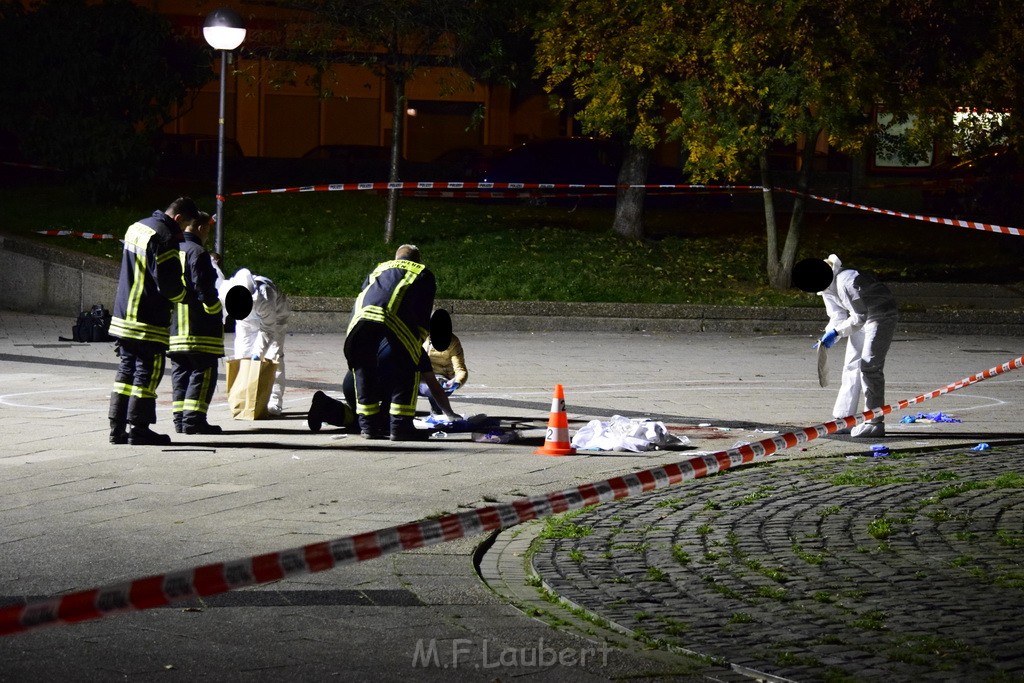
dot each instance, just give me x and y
(324, 244)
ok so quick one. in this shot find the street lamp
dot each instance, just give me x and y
(224, 30)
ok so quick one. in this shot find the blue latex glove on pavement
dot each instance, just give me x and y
(829, 339)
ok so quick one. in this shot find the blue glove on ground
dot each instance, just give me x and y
(829, 339)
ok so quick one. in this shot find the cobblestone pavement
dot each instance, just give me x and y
(906, 567)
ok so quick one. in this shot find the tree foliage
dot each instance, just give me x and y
(495, 45)
(959, 55)
(781, 72)
(613, 65)
(84, 86)
(738, 77)
(791, 70)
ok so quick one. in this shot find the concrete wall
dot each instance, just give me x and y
(40, 279)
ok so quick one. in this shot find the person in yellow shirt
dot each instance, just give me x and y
(450, 368)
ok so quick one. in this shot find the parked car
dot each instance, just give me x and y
(344, 163)
(350, 153)
(192, 156)
(984, 188)
(192, 145)
(557, 160)
(463, 163)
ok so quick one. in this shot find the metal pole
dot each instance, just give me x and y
(219, 239)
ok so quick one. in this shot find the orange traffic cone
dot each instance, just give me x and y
(557, 440)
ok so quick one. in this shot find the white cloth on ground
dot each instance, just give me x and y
(625, 434)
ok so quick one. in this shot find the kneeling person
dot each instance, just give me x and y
(331, 411)
(389, 324)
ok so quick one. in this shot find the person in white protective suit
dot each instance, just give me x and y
(261, 334)
(863, 311)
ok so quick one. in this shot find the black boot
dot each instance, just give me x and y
(402, 429)
(118, 415)
(326, 410)
(199, 425)
(373, 427)
(315, 414)
(118, 432)
(179, 426)
(142, 435)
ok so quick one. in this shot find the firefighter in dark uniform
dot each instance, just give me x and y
(197, 334)
(150, 283)
(395, 305)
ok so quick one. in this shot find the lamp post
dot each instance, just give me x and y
(224, 30)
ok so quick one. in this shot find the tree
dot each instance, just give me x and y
(778, 72)
(614, 64)
(741, 76)
(976, 66)
(393, 38)
(90, 100)
(998, 75)
(789, 70)
(495, 45)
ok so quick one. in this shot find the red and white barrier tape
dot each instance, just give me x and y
(987, 227)
(462, 186)
(37, 167)
(77, 233)
(543, 194)
(456, 189)
(157, 591)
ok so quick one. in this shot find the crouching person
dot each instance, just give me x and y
(261, 334)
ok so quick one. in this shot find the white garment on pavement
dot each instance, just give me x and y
(862, 310)
(262, 333)
(625, 434)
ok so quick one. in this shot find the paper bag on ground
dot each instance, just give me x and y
(249, 385)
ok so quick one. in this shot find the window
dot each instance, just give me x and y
(891, 151)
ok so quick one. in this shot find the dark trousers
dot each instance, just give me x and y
(193, 381)
(133, 399)
(383, 373)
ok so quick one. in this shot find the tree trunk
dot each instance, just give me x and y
(397, 123)
(783, 275)
(771, 228)
(629, 201)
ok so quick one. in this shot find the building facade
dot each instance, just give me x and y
(271, 119)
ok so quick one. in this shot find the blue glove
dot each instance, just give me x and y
(450, 387)
(256, 357)
(829, 339)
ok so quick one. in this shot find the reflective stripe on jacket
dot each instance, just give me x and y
(400, 295)
(198, 324)
(150, 281)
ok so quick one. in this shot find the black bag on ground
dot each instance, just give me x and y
(92, 326)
